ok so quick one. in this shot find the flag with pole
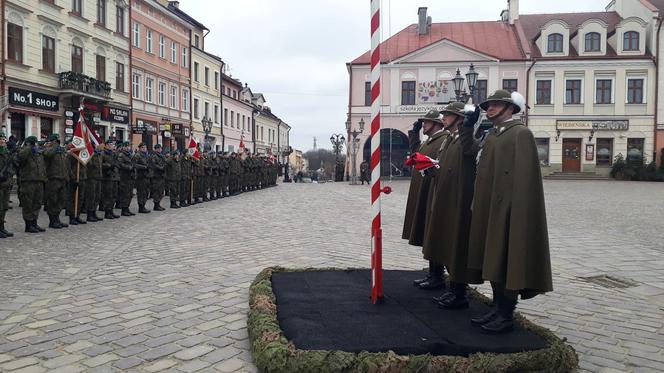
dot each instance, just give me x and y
(81, 144)
(192, 149)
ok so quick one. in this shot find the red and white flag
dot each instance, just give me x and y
(242, 142)
(421, 162)
(192, 149)
(81, 143)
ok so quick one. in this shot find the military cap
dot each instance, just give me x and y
(433, 115)
(142, 144)
(501, 95)
(53, 137)
(126, 143)
(31, 139)
(456, 108)
(156, 146)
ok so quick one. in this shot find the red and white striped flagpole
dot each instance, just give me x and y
(376, 232)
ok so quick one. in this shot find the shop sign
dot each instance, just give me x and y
(69, 122)
(595, 125)
(144, 126)
(590, 152)
(177, 129)
(167, 134)
(22, 97)
(69, 114)
(115, 114)
(419, 108)
(69, 131)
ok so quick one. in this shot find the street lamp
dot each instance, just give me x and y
(338, 141)
(287, 152)
(207, 128)
(355, 145)
(471, 83)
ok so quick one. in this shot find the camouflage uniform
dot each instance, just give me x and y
(109, 182)
(143, 174)
(32, 176)
(173, 177)
(56, 189)
(93, 186)
(126, 184)
(158, 165)
(185, 181)
(76, 187)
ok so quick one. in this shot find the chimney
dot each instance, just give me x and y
(513, 10)
(424, 22)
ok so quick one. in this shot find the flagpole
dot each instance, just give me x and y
(78, 179)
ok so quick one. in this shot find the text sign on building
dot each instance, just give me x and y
(596, 125)
(115, 114)
(419, 108)
(144, 126)
(32, 99)
(435, 91)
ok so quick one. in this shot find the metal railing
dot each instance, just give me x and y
(83, 83)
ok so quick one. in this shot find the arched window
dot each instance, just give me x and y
(631, 41)
(555, 43)
(593, 42)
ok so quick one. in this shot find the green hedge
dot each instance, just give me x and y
(273, 352)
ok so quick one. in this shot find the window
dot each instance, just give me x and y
(77, 59)
(543, 149)
(225, 117)
(238, 120)
(262, 133)
(149, 83)
(573, 91)
(14, 43)
(216, 80)
(555, 43)
(119, 20)
(196, 114)
(216, 114)
(631, 41)
(244, 119)
(137, 35)
(543, 92)
(185, 99)
(593, 42)
(101, 68)
(234, 94)
(119, 77)
(77, 7)
(604, 152)
(207, 76)
(184, 57)
(162, 46)
(408, 93)
(482, 90)
(635, 149)
(367, 93)
(48, 54)
(148, 41)
(174, 97)
(196, 71)
(206, 110)
(510, 85)
(232, 119)
(603, 91)
(101, 12)
(136, 86)
(174, 52)
(197, 41)
(162, 94)
(634, 91)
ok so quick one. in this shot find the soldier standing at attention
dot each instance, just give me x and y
(140, 161)
(173, 175)
(32, 176)
(126, 184)
(76, 186)
(158, 166)
(509, 239)
(364, 172)
(225, 174)
(215, 188)
(110, 179)
(56, 189)
(93, 184)
(6, 173)
(418, 195)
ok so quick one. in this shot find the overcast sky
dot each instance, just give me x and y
(295, 51)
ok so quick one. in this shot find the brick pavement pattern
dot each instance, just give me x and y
(169, 291)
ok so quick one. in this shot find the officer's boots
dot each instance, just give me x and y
(157, 207)
(503, 321)
(73, 221)
(456, 299)
(126, 212)
(3, 230)
(436, 281)
(30, 227)
(142, 209)
(174, 205)
(53, 222)
(92, 217)
(80, 221)
(108, 214)
(425, 278)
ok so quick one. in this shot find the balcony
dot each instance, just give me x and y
(83, 84)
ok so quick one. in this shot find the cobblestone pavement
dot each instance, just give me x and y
(168, 291)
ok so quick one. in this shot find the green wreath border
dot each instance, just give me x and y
(273, 352)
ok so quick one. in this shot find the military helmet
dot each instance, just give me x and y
(141, 144)
(501, 95)
(157, 146)
(434, 116)
(53, 137)
(31, 140)
(456, 108)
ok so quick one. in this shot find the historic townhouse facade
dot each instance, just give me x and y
(59, 54)
(160, 75)
(283, 141)
(238, 115)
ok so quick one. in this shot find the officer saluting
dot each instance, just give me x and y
(509, 240)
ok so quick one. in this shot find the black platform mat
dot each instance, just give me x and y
(331, 310)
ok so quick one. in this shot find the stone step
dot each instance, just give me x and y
(576, 176)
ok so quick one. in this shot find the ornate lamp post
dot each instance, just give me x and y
(354, 146)
(287, 152)
(471, 83)
(207, 128)
(338, 141)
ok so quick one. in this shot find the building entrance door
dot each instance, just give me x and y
(571, 155)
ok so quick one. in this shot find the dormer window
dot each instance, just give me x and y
(593, 42)
(555, 43)
(631, 41)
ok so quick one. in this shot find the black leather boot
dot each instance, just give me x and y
(425, 278)
(30, 227)
(53, 222)
(92, 217)
(34, 223)
(436, 281)
(157, 207)
(142, 209)
(503, 322)
(174, 205)
(2, 235)
(108, 214)
(81, 221)
(64, 225)
(126, 212)
(457, 299)
(73, 221)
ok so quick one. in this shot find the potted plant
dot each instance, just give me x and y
(618, 168)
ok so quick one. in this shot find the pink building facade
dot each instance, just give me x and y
(238, 115)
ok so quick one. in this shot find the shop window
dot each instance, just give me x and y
(634, 91)
(77, 59)
(555, 43)
(593, 42)
(48, 54)
(510, 85)
(543, 151)
(482, 90)
(408, 93)
(635, 149)
(101, 68)
(119, 134)
(631, 41)
(18, 126)
(14, 43)
(604, 152)
(367, 93)
(603, 91)
(45, 127)
(543, 92)
(573, 91)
